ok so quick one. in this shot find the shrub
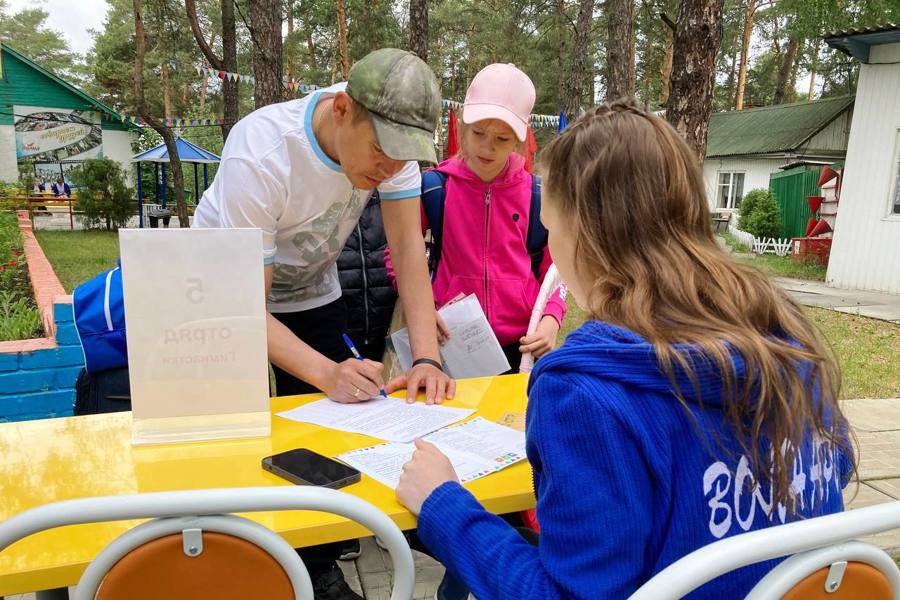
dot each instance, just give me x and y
(12, 196)
(747, 205)
(762, 219)
(103, 195)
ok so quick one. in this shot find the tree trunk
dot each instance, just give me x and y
(228, 62)
(665, 71)
(632, 67)
(784, 73)
(342, 38)
(167, 95)
(290, 31)
(470, 44)
(311, 50)
(230, 94)
(792, 85)
(618, 48)
(575, 76)
(268, 57)
(418, 28)
(698, 36)
(562, 30)
(812, 72)
(729, 83)
(140, 44)
(745, 49)
(204, 87)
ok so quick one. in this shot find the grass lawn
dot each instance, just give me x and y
(784, 266)
(775, 266)
(867, 350)
(77, 256)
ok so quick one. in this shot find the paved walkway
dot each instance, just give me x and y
(877, 426)
(60, 222)
(874, 305)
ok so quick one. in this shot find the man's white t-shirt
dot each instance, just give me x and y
(275, 176)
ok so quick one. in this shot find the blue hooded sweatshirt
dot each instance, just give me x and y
(627, 481)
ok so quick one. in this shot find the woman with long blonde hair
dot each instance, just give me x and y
(697, 402)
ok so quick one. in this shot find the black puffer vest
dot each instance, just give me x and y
(367, 289)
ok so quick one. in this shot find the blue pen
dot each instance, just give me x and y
(356, 354)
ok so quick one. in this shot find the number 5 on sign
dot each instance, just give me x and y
(196, 320)
(194, 293)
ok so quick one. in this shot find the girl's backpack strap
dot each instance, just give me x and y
(434, 191)
(536, 239)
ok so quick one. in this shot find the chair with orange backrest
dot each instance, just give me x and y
(194, 548)
(825, 561)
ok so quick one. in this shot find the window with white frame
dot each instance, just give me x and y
(730, 189)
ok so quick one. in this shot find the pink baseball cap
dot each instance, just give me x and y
(501, 91)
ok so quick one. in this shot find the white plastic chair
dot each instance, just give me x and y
(194, 548)
(827, 562)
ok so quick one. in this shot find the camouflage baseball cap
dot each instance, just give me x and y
(403, 98)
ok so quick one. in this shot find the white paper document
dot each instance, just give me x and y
(476, 448)
(471, 351)
(385, 418)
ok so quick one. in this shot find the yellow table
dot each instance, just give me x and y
(77, 457)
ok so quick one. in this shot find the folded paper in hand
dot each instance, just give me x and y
(471, 351)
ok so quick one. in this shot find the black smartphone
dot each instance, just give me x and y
(305, 467)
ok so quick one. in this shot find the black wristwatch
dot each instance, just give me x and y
(428, 361)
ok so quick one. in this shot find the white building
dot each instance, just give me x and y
(865, 253)
(745, 147)
(48, 125)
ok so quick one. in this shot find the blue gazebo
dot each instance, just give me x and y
(188, 153)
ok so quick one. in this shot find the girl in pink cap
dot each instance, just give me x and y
(490, 241)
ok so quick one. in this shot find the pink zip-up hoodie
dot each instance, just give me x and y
(484, 247)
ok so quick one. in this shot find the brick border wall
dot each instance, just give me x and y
(37, 376)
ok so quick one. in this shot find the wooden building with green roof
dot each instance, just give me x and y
(745, 147)
(48, 126)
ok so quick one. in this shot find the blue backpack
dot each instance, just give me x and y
(434, 191)
(100, 320)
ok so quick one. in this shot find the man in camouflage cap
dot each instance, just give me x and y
(302, 171)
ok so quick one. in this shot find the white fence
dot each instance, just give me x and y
(780, 246)
(777, 246)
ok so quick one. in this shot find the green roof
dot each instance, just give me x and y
(771, 129)
(18, 86)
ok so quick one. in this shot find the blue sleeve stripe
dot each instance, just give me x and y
(269, 261)
(400, 195)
